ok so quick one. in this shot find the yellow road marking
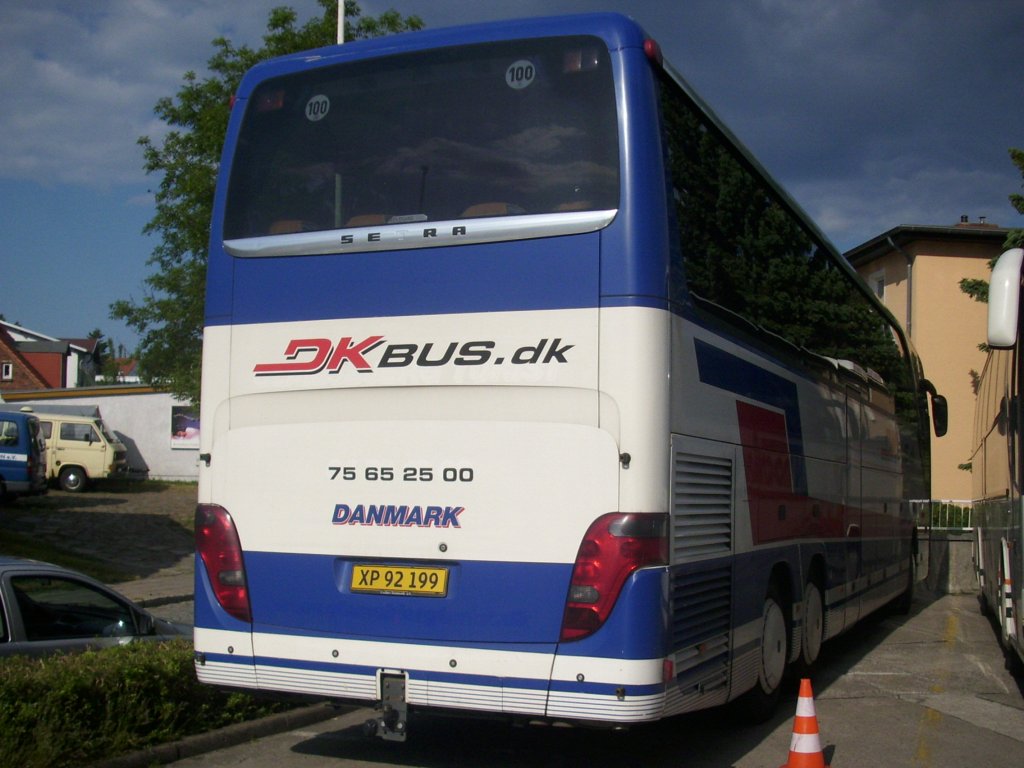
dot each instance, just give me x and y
(931, 719)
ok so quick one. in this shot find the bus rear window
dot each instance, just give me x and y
(503, 129)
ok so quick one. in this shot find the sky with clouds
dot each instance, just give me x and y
(871, 113)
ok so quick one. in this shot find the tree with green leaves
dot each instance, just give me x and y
(978, 289)
(1016, 237)
(104, 361)
(169, 317)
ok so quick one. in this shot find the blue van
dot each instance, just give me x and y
(22, 457)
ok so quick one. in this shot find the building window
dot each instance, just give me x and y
(877, 283)
(7, 371)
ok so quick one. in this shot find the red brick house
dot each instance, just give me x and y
(16, 372)
(56, 363)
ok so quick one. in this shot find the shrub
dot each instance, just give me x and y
(71, 709)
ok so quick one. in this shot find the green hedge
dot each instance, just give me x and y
(71, 709)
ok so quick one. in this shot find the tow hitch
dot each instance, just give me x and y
(392, 723)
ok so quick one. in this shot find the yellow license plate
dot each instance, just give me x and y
(400, 580)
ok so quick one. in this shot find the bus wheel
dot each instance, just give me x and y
(72, 479)
(814, 625)
(1014, 661)
(758, 704)
(1000, 607)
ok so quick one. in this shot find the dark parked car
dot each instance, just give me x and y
(45, 608)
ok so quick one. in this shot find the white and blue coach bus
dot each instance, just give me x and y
(997, 466)
(525, 391)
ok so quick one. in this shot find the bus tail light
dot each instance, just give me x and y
(614, 546)
(217, 543)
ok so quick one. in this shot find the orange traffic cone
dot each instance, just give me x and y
(805, 748)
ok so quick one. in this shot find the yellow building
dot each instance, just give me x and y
(916, 271)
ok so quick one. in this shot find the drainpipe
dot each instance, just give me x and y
(909, 324)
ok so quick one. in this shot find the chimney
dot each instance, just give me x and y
(981, 223)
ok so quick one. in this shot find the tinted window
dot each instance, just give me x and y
(743, 251)
(59, 608)
(745, 256)
(502, 129)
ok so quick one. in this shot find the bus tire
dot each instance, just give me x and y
(813, 634)
(72, 479)
(1013, 663)
(759, 703)
(1001, 619)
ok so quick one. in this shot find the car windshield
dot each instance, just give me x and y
(503, 129)
(106, 431)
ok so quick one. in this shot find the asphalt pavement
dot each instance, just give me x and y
(927, 690)
(144, 530)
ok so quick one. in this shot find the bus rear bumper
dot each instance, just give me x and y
(487, 681)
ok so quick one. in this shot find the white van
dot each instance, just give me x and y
(80, 449)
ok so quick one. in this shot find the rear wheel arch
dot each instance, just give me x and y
(816, 571)
(781, 577)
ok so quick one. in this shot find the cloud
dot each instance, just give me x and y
(826, 94)
(81, 79)
(852, 211)
(871, 113)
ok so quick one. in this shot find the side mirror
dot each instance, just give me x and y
(940, 415)
(145, 623)
(940, 408)
(1004, 299)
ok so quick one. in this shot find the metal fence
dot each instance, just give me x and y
(943, 514)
